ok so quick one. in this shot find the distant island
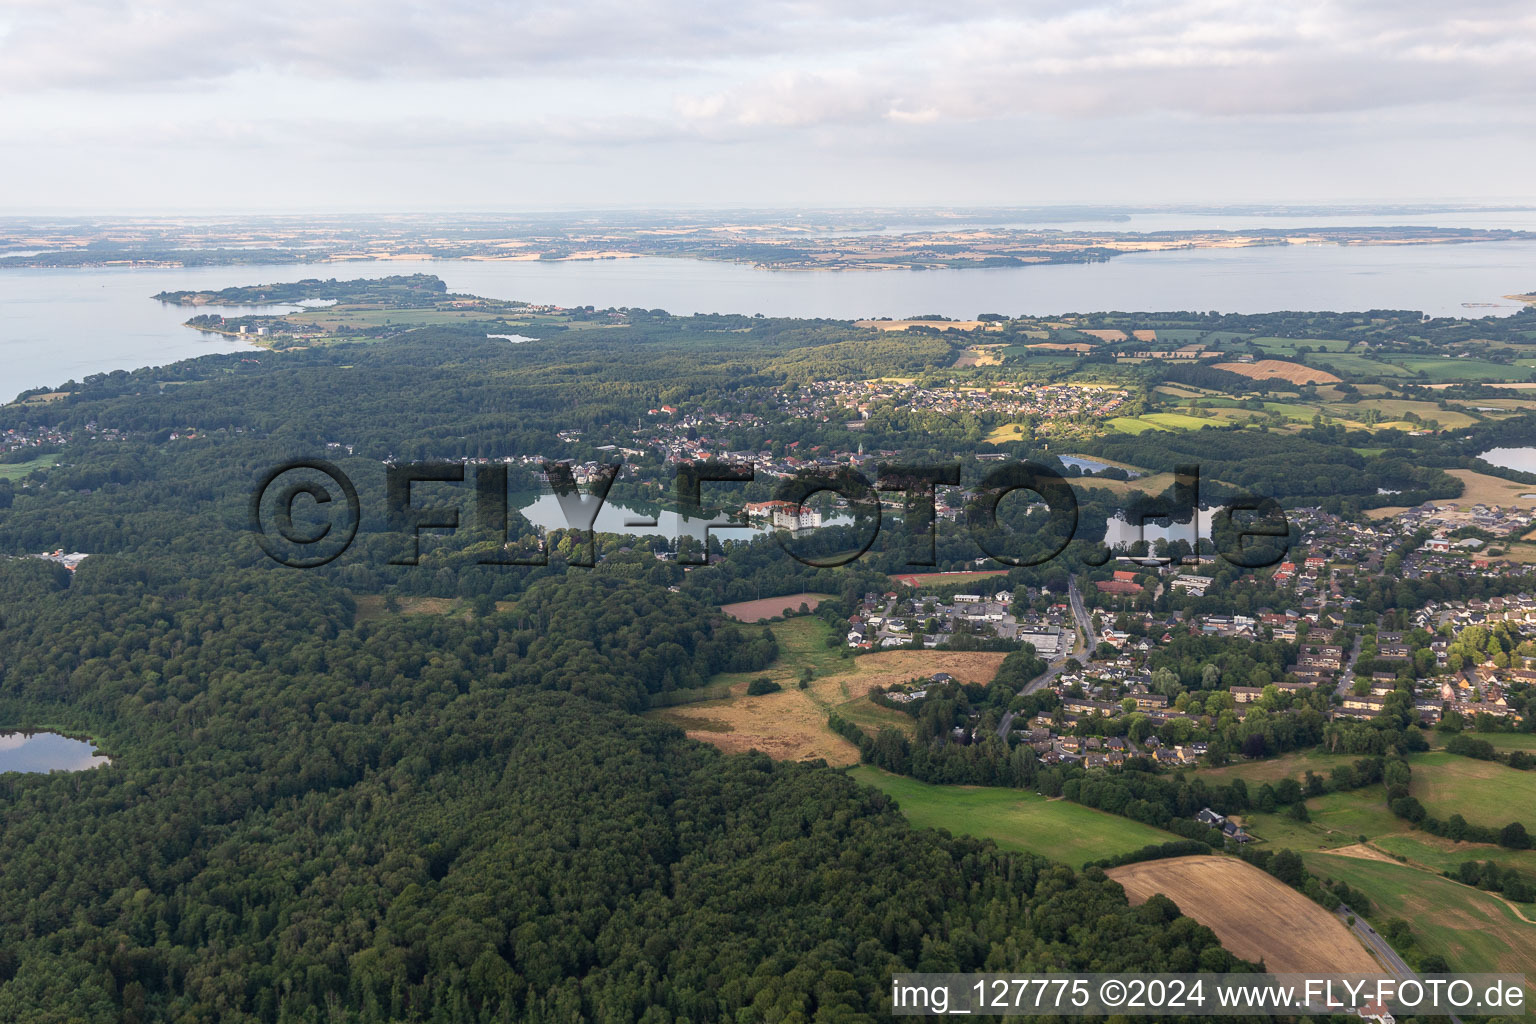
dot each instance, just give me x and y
(774, 240)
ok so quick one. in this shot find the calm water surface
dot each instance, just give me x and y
(58, 325)
(46, 752)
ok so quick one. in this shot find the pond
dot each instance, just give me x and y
(46, 752)
(1523, 459)
(1118, 531)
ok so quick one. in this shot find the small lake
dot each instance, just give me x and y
(1118, 531)
(545, 511)
(46, 752)
(1523, 459)
(1090, 466)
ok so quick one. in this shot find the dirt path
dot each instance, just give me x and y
(1364, 852)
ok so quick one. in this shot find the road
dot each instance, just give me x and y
(1347, 677)
(1084, 625)
(1380, 947)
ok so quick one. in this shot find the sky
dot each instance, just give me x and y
(392, 105)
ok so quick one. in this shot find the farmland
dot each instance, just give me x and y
(1279, 369)
(1472, 930)
(20, 470)
(791, 724)
(1015, 819)
(1255, 915)
(1484, 792)
(939, 579)
(1293, 766)
(771, 607)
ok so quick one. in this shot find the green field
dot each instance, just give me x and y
(1349, 364)
(1420, 849)
(1129, 425)
(1439, 369)
(1291, 345)
(1338, 819)
(1159, 421)
(1016, 819)
(1395, 408)
(1483, 792)
(1341, 819)
(1471, 929)
(17, 470)
(1503, 741)
(1293, 766)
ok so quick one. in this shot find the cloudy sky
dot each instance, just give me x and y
(126, 105)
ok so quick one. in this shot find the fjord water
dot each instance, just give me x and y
(46, 752)
(58, 325)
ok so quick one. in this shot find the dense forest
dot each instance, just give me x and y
(322, 809)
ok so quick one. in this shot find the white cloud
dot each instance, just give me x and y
(627, 91)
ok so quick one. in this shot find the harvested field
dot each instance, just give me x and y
(902, 325)
(1490, 490)
(771, 607)
(1255, 915)
(1061, 346)
(930, 579)
(981, 355)
(1104, 335)
(1269, 369)
(791, 725)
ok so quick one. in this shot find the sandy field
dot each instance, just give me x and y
(1255, 915)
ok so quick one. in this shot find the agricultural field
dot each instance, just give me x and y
(1175, 420)
(1471, 929)
(1287, 766)
(1504, 741)
(19, 470)
(937, 579)
(1255, 915)
(903, 325)
(980, 355)
(1293, 345)
(1483, 792)
(1279, 369)
(1129, 425)
(791, 724)
(1490, 490)
(1338, 819)
(1155, 483)
(772, 607)
(1509, 405)
(1392, 411)
(1158, 421)
(1016, 819)
(1352, 365)
(1439, 368)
